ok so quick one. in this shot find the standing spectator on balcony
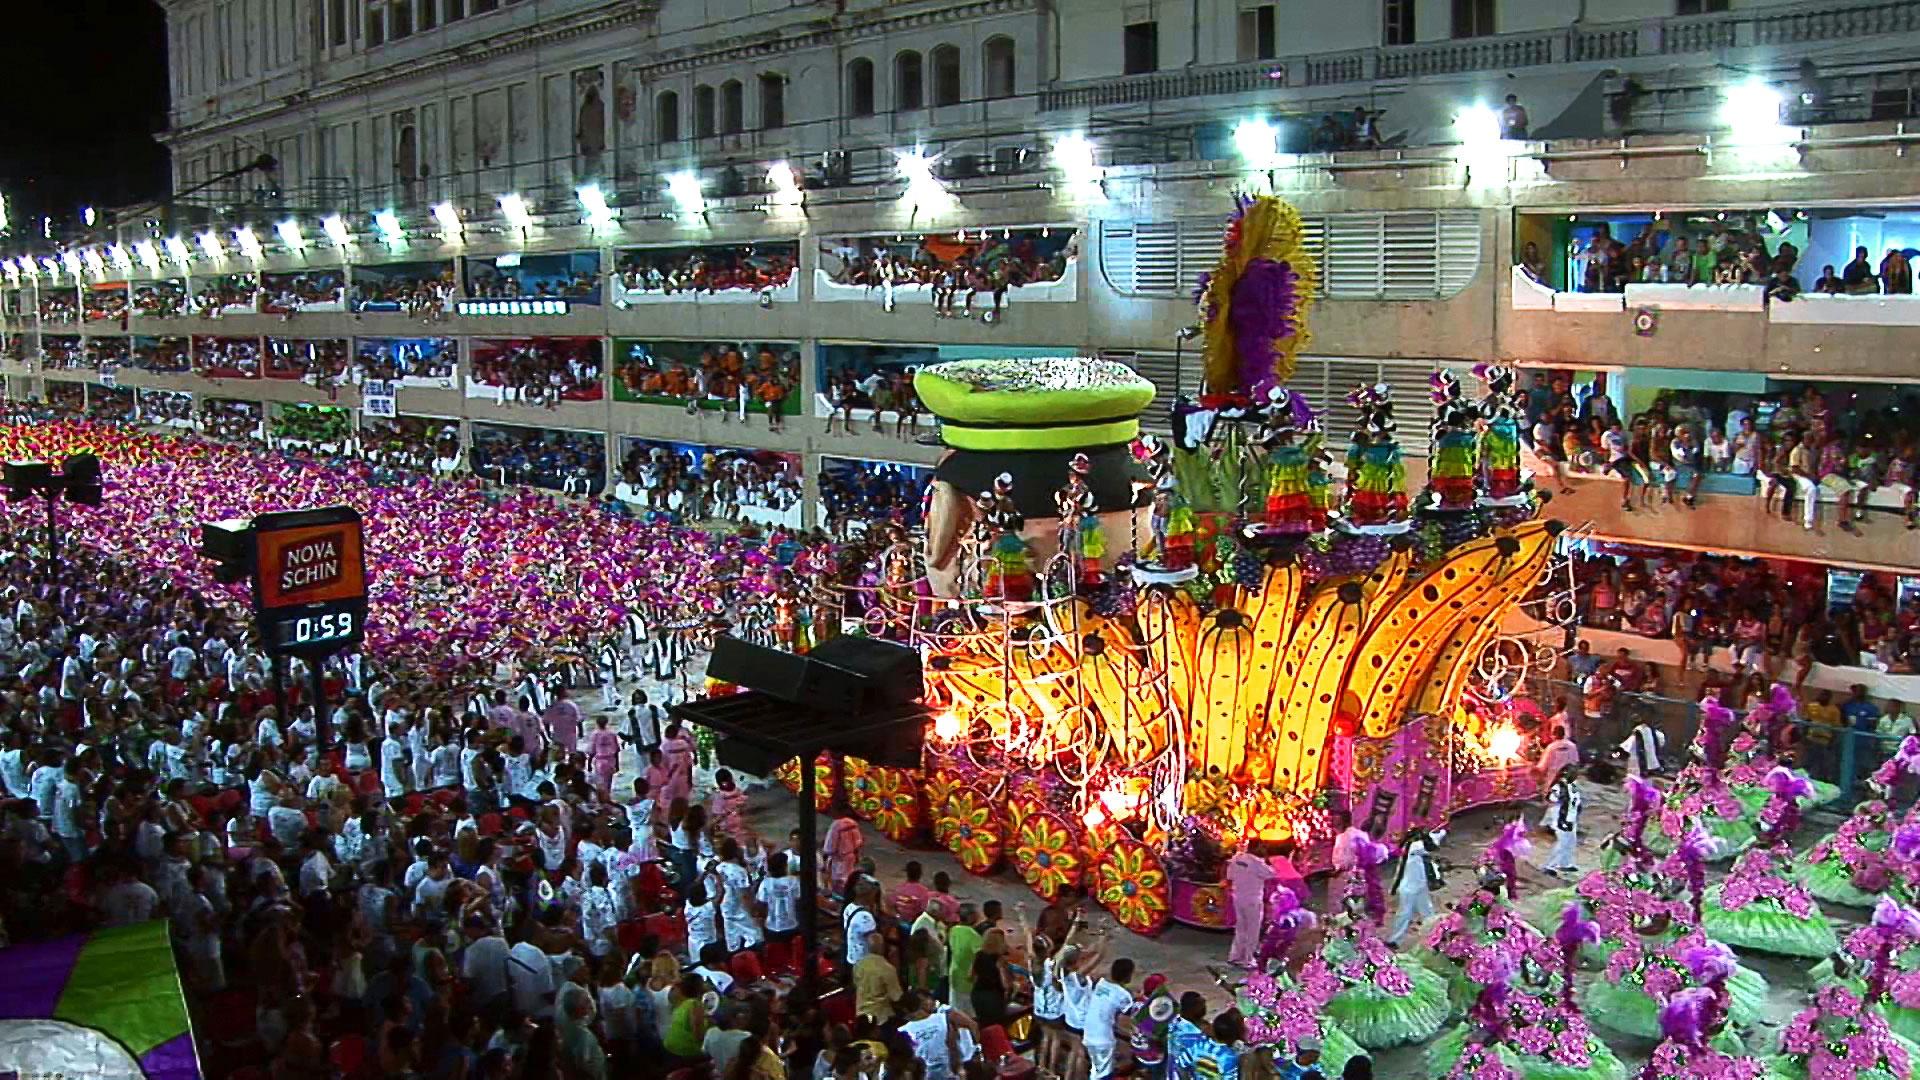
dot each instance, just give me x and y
(1782, 286)
(1513, 119)
(1747, 449)
(1680, 266)
(1895, 724)
(1620, 461)
(1590, 262)
(1366, 128)
(1896, 275)
(1533, 266)
(1829, 283)
(1858, 276)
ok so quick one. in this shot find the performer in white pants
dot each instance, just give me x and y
(1642, 747)
(1563, 817)
(1413, 888)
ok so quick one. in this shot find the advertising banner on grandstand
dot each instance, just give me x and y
(105, 1004)
(708, 274)
(712, 374)
(379, 397)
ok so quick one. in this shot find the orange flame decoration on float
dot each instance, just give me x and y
(1193, 667)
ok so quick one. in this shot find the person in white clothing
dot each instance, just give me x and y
(935, 1033)
(857, 918)
(736, 889)
(1104, 1018)
(779, 897)
(702, 916)
(1642, 747)
(1419, 873)
(1563, 817)
(393, 758)
(530, 978)
(68, 823)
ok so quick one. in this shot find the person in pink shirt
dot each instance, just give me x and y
(678, 750)
(910, 899)
(603, 747)
(840, 853)
(727, 806)
(563, 723)
(658, 777)
(941, 901)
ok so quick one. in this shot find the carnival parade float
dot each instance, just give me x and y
(1143, 653)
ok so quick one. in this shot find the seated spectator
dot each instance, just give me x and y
(1829, 283)
(1858, 276)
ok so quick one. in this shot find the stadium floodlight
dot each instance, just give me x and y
(391, 231)
(96, 265)
(249, 243)
(178, 251)
(291, 235)
(1256, 141)
(117, 255)
(785, 184)
(336, 229)
(514, 208)
(1477, 125)
(71, 260)
(684, 188)
(210, 243)
(149, 255)
(1752, 110)
(1073, 156)
(916, 168)
(451, 230)
(594, 202)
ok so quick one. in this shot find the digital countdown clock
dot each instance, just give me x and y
(310, 631)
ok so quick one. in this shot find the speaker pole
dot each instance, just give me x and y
(809, 880)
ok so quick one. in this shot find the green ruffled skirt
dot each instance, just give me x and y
(1336, 1049)
(1377, 1020)
(1447, 1049)
(1735, 836)
(1630, 1010)
(1765, 926)
(1754, 798)
(1832, 880)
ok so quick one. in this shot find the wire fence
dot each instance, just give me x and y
(1839, 756)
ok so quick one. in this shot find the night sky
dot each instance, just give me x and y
(85, 89)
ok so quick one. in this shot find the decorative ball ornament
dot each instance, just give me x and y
(862, 788)
(1047, 854)
(975, 830)
(896, 812)
(1129, 882)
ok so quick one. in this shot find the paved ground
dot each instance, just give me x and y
(1189, 957)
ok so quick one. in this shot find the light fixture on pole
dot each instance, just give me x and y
(337, 232)
(1256, 142)
(89, 216)
(594, 202)
(923, 187)
(684, 189)
(785, 184)
(448, 218)
(71, 260)
(178, 251)
(249, 243)
(1753, 110)
(211, 245)
(96, 265)
(391, 231)
(149, 255)
(117, 255)
(514, 208)
(291, 235)
(1073, 156)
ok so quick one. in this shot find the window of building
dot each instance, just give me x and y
(337, 23)
(908, 87)
(860, 86)
(1700, 7)
(733, 107)
(997, 65)
(703, 112)
(666, 117)
(456, 10)
(773, 100)
(402, 20)
(1472, 18)
(429, 15)
(1140, 47)
(1257, 40)
(1398, 22)
(946, 75)
(376, 23)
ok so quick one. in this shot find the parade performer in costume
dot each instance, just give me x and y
(1563, 817)
(1419, 876)
(1759, 906)
(1695, 1044)
(1379, 998)
(1483, 923)
(1454, 465)
(1700, 796)
(1842, 1036)
(1286, 917)
(1376, 475)
(1287, 433)
(1499, 446)
(1642, 748)
(1750, 755)
(1890, 946)
(1287, 1017)
(1851, 866)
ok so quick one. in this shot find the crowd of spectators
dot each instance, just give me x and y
(1892, 276)
(419, 289)
(492, 283)
(571, 462)
(229, 421)
(953, 268)
(708, 269)
(434, 360)
(540, 371)
(165, 299)
(112, 404)
(325, 429)
(715, 485)
(282, 294)
(721, 376)
(867, 494)
(171, 408)
(226, 358)
(59, 306)
(411, 443)
(106, 304)
(219, 292)
(67, 399)
(62, 352)
(881, 390)
(163, 355)
(1808, 451)
(322, 361)
(1673, 250)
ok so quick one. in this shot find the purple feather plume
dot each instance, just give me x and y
(1575, 930)
(1710, 963)
(1368, 854)
(1265, 300)
(1508, 849)
(1788, 784)
(1687, 1015)
(1906, 842)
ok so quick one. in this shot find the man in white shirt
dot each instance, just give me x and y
(857, 919)
(180, 660)
(530, 979)
(486, 967)
(68, 824)
(1109, 1001)
(393, 756)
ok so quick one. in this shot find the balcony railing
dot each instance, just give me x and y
(1504, 52)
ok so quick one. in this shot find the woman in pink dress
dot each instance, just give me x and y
(728, 806)
(678, 748)
(603, 746)
(841, 852)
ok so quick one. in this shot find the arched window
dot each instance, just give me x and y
(733, 107)
(703, 112)
(860, 87)
(773, 100)
(997, 67)
(666, 117)
(908, 87)
(946, 75)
